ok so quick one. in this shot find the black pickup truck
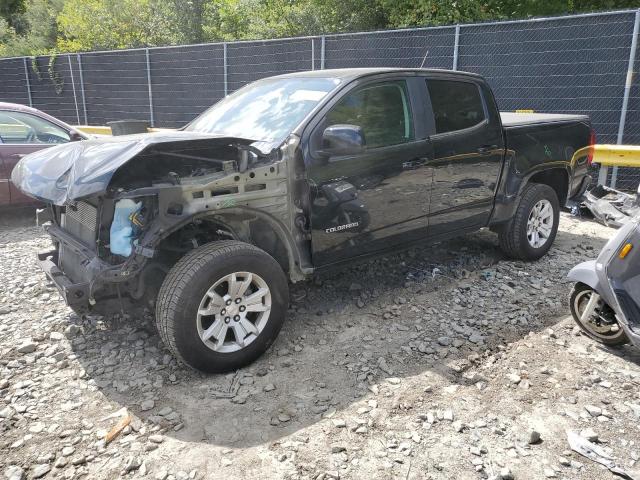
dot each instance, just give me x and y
(289, 175)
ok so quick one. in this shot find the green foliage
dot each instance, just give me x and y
(40, 18)
(536, 8)
(288, 18)
(111, 24)
(40, 27)
(11, 13)
(188, 19)
(252, 19)
(54, 76)
(407, 13)
(7, 34)
(35, 67)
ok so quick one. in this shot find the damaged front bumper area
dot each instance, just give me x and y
(76, 295)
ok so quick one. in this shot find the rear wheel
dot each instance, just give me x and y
(601, 324)
(532, 230)
(222, 306)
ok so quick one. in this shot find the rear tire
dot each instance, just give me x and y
(213, 293)
(537, 213)
(579, 295)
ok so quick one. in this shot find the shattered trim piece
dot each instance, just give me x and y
(593, 452)
(611, 207)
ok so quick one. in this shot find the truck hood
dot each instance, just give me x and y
(80, 169)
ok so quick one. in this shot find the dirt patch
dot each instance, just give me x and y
(437, 362)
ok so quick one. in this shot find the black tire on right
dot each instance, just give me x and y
(186, 284)
(513, 236)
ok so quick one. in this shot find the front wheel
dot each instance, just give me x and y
(602, 324)
(222, 306)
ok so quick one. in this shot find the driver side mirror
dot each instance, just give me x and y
(75, 136)
(338, 140)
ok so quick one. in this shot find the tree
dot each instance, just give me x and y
(40, 28)
(408, 13)
(12, 11)
(255, 19)
(7, 35)
(188, 18)
(537, 8)
(287, 18)
(112, 24)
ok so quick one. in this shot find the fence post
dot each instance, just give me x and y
(323, 38)
(627, 90)
(146, 52)
(26, 77)
(84, 102)
(456, 45)
(313, 54)
(73, 87)
(224, 62)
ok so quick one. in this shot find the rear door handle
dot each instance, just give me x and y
(17, 155)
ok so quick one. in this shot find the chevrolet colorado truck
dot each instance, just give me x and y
(287, 176)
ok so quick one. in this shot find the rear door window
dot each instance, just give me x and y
(456, 105)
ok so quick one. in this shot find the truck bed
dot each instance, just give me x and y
(513, 119)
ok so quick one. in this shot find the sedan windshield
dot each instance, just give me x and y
(267, 110)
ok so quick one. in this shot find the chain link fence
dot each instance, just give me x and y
(572, 64)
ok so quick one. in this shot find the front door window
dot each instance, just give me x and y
(382, 111)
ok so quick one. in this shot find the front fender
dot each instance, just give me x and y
(585, 272)
(234, 218)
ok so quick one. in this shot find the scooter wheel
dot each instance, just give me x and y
(609, 331)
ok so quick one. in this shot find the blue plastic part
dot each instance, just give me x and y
(122, 230)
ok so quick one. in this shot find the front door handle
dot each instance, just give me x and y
(17, 155)
(483, 150)
(413, 164)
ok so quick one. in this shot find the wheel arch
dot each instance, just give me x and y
(248, 225)
(555, 177)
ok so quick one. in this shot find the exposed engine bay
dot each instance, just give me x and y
(174, 163)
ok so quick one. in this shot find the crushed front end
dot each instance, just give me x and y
(117, 243)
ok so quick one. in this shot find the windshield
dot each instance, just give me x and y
(267, 110)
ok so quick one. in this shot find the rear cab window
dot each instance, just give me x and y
(457, 105)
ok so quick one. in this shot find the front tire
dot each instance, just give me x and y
(222, 306)
(532, 230)
(603, 325)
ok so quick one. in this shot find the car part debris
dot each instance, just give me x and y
(593, 452)
(118, 428)
(232, 391)
(611, 207)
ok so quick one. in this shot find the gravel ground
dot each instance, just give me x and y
(436, 363)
